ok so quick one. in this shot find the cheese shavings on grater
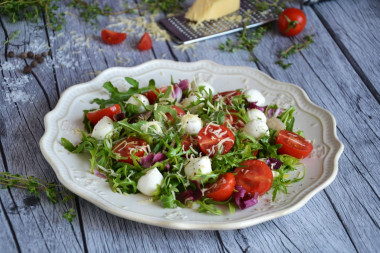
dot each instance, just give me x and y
(183, 31)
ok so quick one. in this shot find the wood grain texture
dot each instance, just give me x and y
(338, 72)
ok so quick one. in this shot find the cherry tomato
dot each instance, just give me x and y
(112, 38)
(223, 188)
(256, 176)
(293, 144)
(291, 21)
(95, 116)
(211, 135)
(180, 113)
(233, 120)
(255, 152)
(145, 43)
(126, 147)
(187, 142)
(152, 96)
(227, 96)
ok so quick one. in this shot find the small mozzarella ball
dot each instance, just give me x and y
(102, 128)
(255, 96)
(207, 89)
(139, 100)
(149, 183)
(275, 124)
(191, 123)
(152, 127)
(256, 128)
(198, 166)
(256, 114)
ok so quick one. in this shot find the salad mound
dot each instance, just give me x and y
(186, 146)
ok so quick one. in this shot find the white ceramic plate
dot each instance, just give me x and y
(73, 170)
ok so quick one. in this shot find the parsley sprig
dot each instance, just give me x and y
(35, 186)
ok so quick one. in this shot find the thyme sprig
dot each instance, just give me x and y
(36, 185)
(166, 6)
(309, 39)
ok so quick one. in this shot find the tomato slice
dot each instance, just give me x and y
(152, 96)
(211, 135)
(126, 147)
(112, 38)
(95, 116)
(223, 188)
(293, 144)
(180, 113)
(233, 120)
(255, 176)
(187, 142)
(227, 96)
(145, 43)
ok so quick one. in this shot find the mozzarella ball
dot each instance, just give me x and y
(139, 100)
(275, 124)
(256, 114)
(152, 127)
(102, 128)
(149, 183)
(255, 96)
(207, 89)
(256, 128)
(198, 166)
(191, 123)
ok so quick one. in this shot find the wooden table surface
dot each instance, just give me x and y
(340, 72)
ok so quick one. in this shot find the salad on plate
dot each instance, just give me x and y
(184, 145)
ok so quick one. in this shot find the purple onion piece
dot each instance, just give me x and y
(191, 194)
(272, 112)
(150, 159)
(273, 163)
(158, 157)
(99, 174)
(252, 105)
(183, 84)
(119, 116)
(177, 93)
(245, 199)
(167, 166)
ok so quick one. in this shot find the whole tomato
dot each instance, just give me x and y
(291, 21)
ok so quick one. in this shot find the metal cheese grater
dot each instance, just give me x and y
(183, 32)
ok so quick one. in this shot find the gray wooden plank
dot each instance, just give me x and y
(355, 30)
(38, 225)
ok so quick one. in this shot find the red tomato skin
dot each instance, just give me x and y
(124, 147)
(256, 176)
(180, 113)
(233, 120)
(293, 14)
(293, 144)
(152, 97)
(112, 38)
(206, 142)
(145, 43)
(228, 96)
(187, 141)
(223, 188)
(95, 116)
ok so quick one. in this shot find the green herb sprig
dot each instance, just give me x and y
(166, 6)
(309, 39)
(35, 186)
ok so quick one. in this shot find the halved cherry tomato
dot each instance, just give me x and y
(293, 144)
(180, 113)
(145, 43)
(95, 116)
(128, 146)
(227, 96)
(291, 21)
(233, 120)
(223, 188)
(255, 152)
(152, 96)
(112, 38)
(187, 142)
(211, 135)
(256, 176)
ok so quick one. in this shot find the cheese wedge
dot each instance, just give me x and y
(203, 10)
